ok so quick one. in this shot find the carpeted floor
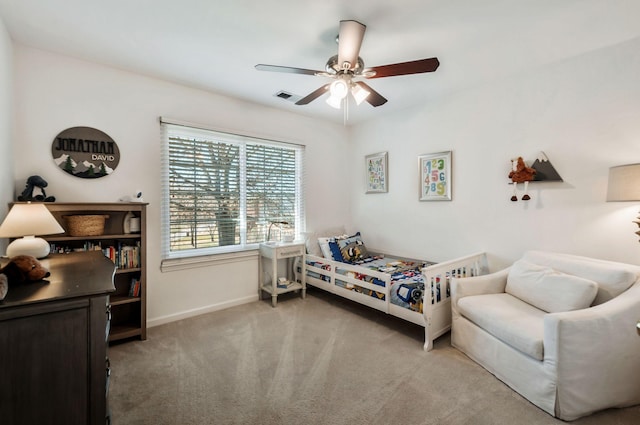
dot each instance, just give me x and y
(322, 360)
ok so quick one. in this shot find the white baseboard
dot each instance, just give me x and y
(198, 311)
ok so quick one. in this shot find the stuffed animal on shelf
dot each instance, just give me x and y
(29, 193)
(21, 269)
(520, 173)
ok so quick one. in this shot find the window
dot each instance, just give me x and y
(223, 192)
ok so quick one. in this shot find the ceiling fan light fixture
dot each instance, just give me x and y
(339, 89)
(359, 94)
(334, 102)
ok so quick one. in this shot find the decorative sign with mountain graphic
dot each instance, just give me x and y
(545, 171)
(85, 152)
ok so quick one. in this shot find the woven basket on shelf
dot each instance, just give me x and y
(85, 225)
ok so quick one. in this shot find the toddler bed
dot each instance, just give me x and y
(413, 290)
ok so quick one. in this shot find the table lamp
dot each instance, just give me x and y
(285, 223)
(624, 185)
(25, 222)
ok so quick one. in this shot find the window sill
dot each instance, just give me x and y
(177, 264)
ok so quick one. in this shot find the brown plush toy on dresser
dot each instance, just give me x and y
(21, 269)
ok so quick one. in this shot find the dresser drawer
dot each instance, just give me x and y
(289, 251)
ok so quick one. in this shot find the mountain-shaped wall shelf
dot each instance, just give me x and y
(545, 171)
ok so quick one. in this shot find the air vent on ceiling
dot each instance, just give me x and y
(288, 96)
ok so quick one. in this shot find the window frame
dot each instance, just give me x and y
(190, 257)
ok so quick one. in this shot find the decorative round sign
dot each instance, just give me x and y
(85, 152)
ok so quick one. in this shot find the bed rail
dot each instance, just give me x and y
(437, 292)
(340, 278)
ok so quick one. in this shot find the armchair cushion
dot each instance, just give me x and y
(612, 278)
(509, 319)
(548, 289)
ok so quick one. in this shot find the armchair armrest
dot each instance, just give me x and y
(596, 352)
(492, 283)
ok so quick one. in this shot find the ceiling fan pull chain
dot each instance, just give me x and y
(346, 111)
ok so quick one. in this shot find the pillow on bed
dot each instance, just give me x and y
(324, 247)
(330, 249)
(352, 248)
(336, 254)
(312, 239)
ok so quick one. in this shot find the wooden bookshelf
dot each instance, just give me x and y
(128, 313)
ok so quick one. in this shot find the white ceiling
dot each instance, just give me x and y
(215, 44)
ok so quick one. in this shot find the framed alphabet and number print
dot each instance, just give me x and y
(377, 176)
(435, 176)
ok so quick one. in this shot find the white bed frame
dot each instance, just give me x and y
(436, 315)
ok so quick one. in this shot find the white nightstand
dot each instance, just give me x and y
(287, 251)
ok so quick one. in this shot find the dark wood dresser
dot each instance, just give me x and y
(53, 343)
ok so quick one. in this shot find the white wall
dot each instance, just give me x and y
(6, 114)
(54, 92)
(584, 113)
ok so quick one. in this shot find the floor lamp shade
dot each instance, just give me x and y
(624, 183)
(25, 222)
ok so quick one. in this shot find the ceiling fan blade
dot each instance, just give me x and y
(349, 42)
(313, 95)
(374, 98)
(404, 68)
(289, 69)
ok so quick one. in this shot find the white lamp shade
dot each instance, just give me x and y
(334, 102)
(339, 89)
(359, 94)
(624, 183)
(29, 220)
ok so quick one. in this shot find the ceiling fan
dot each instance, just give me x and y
(347, 68)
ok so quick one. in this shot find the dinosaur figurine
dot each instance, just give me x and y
(32, 183)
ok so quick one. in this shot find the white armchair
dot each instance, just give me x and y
(558, 329)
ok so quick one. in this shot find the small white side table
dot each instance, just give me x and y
(286, 251)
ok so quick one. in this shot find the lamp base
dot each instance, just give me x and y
(28, 245)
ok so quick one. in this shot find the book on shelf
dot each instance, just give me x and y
(134, 288)
(284, 284)
(57, 248)
(123, 256)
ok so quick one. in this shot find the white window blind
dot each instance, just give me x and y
(222, 192)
